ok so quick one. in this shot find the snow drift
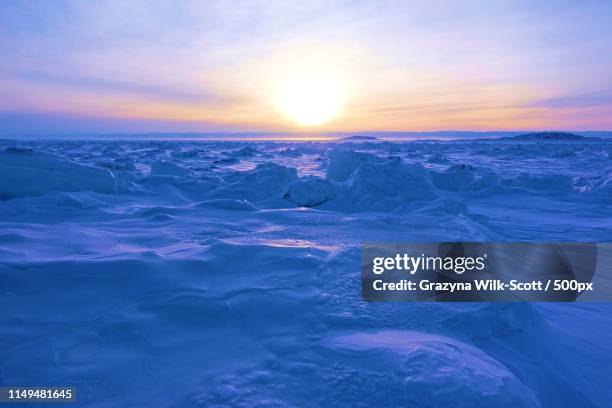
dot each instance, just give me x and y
(29, 173)
(436, 371)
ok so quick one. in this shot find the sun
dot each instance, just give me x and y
(310, 99)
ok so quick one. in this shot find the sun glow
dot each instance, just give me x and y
(310, 99)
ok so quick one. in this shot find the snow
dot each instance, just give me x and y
(343, 162)
(311, 192)
(462, 177)
(228, 204)
(387, 185)
(28, 173)
(437, 371)
(228, 272)
(557, 182)
(167, 168)
(266, 181)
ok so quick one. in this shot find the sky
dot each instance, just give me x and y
(233, 66)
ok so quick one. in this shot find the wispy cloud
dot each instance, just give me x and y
(160, 91)
(595, 99)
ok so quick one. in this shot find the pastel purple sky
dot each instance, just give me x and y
(188, 66)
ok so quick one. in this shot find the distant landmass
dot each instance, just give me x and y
(359, 138)
(545, 136)
(549, 136)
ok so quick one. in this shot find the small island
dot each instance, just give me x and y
(359, 138)
(548, 136)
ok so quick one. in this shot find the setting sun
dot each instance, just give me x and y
(310, 100)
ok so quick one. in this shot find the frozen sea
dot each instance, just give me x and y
(200, 273)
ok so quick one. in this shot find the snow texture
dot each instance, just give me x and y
(186, 273)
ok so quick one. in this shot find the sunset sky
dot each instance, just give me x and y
(147, 66)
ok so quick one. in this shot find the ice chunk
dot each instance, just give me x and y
(24, 172)
(310, 192)
(167, 168)
(246, 151)
(118, 164)
(266, 181)
(463, 177)
(604, 183)
(377, 185)
(437, 158)
(432, 370)
(288, 152)
(390, 184)
(343, 162)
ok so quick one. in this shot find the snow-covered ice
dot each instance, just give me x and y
(193, 273)
(24, 172)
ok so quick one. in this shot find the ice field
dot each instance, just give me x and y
(202, 273)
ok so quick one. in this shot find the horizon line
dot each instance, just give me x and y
(298, 135)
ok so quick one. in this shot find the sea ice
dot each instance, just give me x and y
(30, 173)
(229, 272)
(167, 168)
(311, 192)
(462, 177)
(553, 182)
(437, 371)
(386, 185)
(343, 162)
(266, 181)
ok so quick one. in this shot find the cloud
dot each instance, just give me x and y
(195, 95)
(32, 124)
(596, 99)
